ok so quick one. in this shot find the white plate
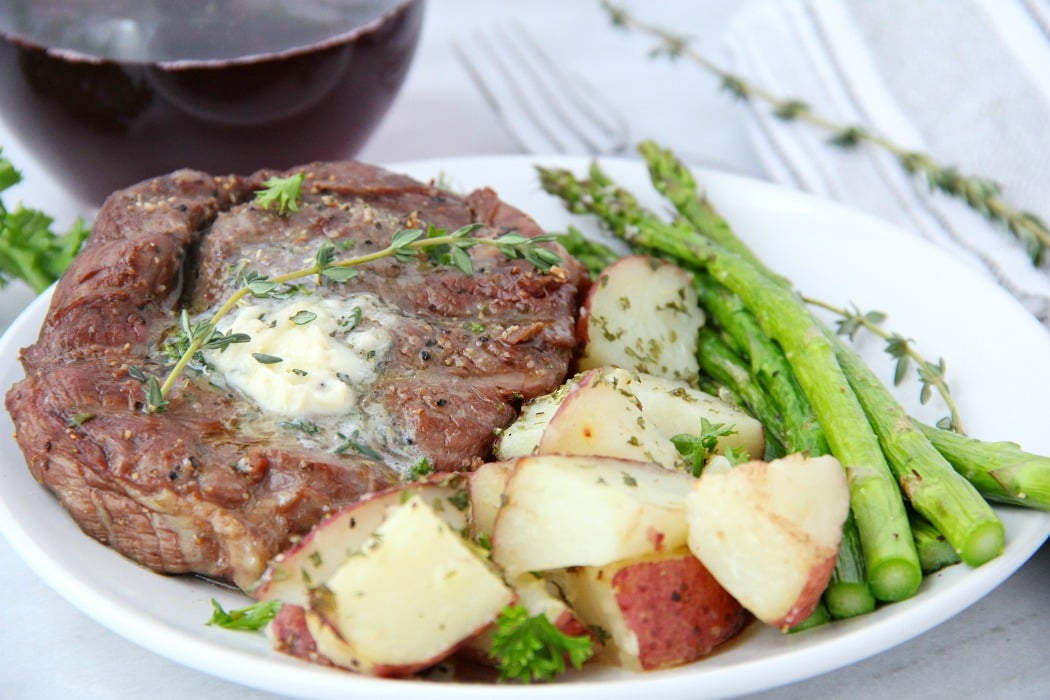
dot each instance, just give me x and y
(997, 366)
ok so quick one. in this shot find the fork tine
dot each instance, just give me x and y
(519, 99)
(579, 93)
(542, 106)
(554, 97)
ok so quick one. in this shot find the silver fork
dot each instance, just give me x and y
(544, 107)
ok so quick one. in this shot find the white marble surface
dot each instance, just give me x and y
(995, 649)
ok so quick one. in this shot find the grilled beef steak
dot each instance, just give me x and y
(417, 360)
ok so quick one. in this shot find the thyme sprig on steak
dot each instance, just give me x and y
(432, 244)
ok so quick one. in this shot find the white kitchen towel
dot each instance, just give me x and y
(965, 81)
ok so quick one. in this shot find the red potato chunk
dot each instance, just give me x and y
(616, 412)
(770, 532)
(291, 574)
(642, 313)
(408, 598)
(561, 511)
(660, 610)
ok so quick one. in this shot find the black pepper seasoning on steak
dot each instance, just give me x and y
(204, 487)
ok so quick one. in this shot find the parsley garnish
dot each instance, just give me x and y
(697, 448)
(420, 469)
(248, 619)
(284, 192)
(532, 649)
(29, 249)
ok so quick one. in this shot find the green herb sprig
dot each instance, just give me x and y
(696, 449)
(980, 194)
(251, 618)
(532, 649)
(931, 375)
(434, 244)
(281, 192)
(29, 249)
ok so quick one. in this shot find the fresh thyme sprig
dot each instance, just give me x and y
(980, 194)
(407, 245)
(931, 375)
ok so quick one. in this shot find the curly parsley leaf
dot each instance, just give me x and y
(698, 448)
(282, 192)
(533, 649)
(420, 469)
(29, 249)
(248, 619)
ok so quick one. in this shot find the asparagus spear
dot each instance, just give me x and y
(718, 361)
(892, 562)
(1001, 471)
(768, 366)
(932, 486)
(848, 593)
(935, 552)
(674, 181)
(818, 617)
(595, 256)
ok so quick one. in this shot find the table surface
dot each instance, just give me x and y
(49, 649)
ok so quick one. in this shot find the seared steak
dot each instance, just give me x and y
(237, 467)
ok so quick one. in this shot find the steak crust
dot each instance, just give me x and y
(209, 486)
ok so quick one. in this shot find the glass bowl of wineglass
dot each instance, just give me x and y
(106, 93)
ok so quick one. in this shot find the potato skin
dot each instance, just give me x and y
(656, 611)
(678, 611)
(809, 596)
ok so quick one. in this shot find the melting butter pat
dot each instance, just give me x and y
(306, 357)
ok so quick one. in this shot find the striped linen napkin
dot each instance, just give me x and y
(966, 81)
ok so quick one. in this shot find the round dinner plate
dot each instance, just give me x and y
(996, 357)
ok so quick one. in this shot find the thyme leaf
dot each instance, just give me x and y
(155, 401)
(354, 443)
(302, 425)
(265, 359)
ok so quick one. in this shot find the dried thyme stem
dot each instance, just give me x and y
(930, 375)
(980, 194)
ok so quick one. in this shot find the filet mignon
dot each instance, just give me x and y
(222, 480)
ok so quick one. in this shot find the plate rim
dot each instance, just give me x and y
(185, 649)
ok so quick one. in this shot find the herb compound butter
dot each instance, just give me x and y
(307, 356)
